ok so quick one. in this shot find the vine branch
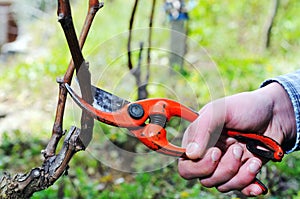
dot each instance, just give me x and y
(130, 65)
(55, 165)
(57, 131)
(40, 178)
(270, 23)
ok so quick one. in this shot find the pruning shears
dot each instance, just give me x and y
(146, 120)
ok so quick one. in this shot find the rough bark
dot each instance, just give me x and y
(39, 178)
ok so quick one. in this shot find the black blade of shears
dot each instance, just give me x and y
(103, 100)
(107, 102)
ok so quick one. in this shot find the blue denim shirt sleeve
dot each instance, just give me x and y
(291, 83)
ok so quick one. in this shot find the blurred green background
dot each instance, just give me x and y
(229, 36)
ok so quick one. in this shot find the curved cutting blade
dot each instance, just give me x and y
(103, 100)
(106, 101)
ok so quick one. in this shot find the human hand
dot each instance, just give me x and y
(223, 162)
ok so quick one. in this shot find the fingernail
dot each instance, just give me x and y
(237, 152)
(215, 156)
(192, 148)
(256, 191)
(254, 166)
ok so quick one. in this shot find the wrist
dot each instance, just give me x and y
(283, 114)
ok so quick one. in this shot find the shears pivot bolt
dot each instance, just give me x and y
(136, 111)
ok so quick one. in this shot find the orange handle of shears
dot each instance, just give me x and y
(271, 149)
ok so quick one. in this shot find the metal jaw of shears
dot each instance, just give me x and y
(147, 119)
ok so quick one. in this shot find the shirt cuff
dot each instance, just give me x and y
(291, 83)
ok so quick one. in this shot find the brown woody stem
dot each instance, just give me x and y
(57, 130)
(150, 41)
(39, 178)
(130, 65)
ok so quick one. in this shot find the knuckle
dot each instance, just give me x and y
(206, 171)
(230, 170)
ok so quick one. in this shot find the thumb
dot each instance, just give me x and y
(194, 140)
(205, 130)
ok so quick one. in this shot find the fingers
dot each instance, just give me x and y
(243, 178)
(234, 174)
(252, 190)
(228, 171)
(213, 168)
(228, 167)
(190, 169)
